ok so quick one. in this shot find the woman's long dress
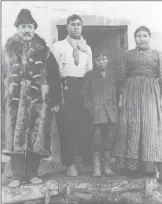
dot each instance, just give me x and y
(139, 146)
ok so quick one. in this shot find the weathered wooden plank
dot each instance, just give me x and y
(28, 192)
(82, 189)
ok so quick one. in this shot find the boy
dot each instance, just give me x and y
(99, 92)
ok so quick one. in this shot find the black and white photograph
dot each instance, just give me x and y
(81, 102)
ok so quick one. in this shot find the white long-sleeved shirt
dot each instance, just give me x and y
(63, 53)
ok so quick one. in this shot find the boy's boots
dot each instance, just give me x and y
(107, 164)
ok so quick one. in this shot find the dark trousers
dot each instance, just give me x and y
(103, 137)
(72, 121)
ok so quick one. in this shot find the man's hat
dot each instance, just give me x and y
(25, 17)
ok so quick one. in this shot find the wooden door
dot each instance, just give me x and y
(113, 38)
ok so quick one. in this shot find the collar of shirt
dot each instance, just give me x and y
(67, 63)
(103, 74)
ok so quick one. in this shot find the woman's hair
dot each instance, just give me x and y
(73, 18)
(142, 28)
(100, 51)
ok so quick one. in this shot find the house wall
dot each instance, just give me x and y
(47, 14)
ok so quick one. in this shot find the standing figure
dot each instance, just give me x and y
(99, 91)
(32, 87)
(139, 143)
(74, 57)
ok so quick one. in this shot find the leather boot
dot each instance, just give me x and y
(72, 171)
(96, 164)
(107, 163)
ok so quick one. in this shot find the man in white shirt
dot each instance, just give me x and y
(74, 57)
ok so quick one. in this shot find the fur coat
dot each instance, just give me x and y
(31, 87)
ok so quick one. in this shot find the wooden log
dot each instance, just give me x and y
(29, 192)
(82, 190)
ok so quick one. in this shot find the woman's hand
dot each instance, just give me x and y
(88, 106)
(120, 101)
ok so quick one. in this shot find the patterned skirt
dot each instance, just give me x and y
(139, 143)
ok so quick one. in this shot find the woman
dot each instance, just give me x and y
(139, 147)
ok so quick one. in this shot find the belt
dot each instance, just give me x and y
(66, 79)
(71, 77)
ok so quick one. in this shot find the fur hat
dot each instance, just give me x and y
(25, 17)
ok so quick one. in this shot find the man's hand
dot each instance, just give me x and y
(55, 108)
(44, 89)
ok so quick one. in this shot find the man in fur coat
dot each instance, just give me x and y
(32, 88)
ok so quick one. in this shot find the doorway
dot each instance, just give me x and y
(112, 38)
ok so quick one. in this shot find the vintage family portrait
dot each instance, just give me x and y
(81, 102)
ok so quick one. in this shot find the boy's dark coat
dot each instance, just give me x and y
(98, 96)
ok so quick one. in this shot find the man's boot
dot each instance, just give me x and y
(96, 164)
(72, 170)
(107, 164)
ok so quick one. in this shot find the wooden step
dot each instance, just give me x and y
(82, 189)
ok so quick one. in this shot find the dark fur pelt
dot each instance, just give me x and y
(160, 71)
(14, 46)
(26, 100)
